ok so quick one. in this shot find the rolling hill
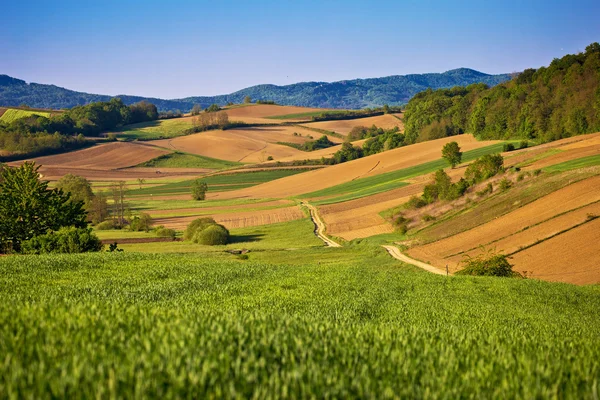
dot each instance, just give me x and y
(349, 94)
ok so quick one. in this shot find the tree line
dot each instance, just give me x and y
(546, 104)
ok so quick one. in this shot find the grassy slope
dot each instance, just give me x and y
(12, 114)
(184, 160)
(355, 324)
(583, 162)
(160, 129)
(383, 182)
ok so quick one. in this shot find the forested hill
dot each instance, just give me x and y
(546, 104)
(351, 94)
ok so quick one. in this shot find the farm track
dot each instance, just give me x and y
(319, 226)
(395, 252)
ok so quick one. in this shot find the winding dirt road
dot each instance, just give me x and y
(395, 252)
(319, 226)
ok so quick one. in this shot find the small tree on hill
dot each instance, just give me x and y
(451, 152)
(199, 189)
(247, 100)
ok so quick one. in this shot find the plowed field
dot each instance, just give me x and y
(258, 113)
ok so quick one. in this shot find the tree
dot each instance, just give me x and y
(197, 109)
(451, 152)
(213, 108)
(98, 210)
(141, 181)
(79, 188)
(28, 208)
(199, 189)
(247, 100)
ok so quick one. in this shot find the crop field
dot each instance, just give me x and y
(12, 114)
(356, 324)
(160, 129)
(267, 113)
(344, 127)
(182, 160)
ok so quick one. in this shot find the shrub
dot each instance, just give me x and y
(415, 202)
(243, 256)
(143, 222)
(537, 172)
(484, 167)
(199, 189)
(401, 224)
(197, 225)
(488, 189)
(161, 231)
(487, 264)
(212, 235)
(505, 184)
(106, 225)
(524, 144)
(428, 217)
(508, 147)
(65, 240)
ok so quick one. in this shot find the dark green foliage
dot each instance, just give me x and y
(106, 225)
(508, 147)
(524, 144)
(484, 168)
(489, 188)
(142, 222)
(504, 184)
(451, 153)
(353, 94)
(199, 189)
(65, 240)
(213, 108)
(212, 235)
(547, 104)
(322, 143)
(487, 264)
(415, 202)
(28, 208)
(401, 223)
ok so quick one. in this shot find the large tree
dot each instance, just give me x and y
(451, 152)
(28, 208)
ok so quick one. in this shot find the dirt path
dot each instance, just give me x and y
(319, 226)
(395, 252)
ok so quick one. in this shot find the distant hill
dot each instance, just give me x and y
(352, 94)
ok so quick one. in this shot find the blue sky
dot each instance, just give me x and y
(184, 48)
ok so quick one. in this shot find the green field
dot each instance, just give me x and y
(160, 129)
(383, 182)
(314, 322)
(590, 161)
(183, 160)
(219, 182)
(13, 114)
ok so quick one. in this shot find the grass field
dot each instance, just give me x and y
(160, 129)
(591, 161)
(356, 323)
(12, 114)
(219, 182)
(376, 184)
(304, 115)
(184, 160)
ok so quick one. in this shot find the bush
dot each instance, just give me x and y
(401, 224)
(508, 147)
(143, 222)
(66, 240)
(161, 231)
(197, 225)
(488, 189)
(106, 225)
(428, 218)
(212, 235)
(524, 144)
(505, 184)
(415, 202)
(488, 265)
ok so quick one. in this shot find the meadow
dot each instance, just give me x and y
(160, 129)
(355, 323)
(183, 160)
(13, 114)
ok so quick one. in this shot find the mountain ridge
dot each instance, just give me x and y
(351, 94)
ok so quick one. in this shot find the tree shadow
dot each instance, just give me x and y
(245, 238)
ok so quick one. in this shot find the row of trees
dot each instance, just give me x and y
(549, 103)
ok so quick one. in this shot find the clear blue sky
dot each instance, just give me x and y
(184, 48)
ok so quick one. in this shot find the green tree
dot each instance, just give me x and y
(213, 108)
(247, 100)
(199, 189)
(451, 152)
(79, 188)
(28, 208)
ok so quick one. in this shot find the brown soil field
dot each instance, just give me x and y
(241, 219)
(109, 156)
(2, 110)
(258, 113)
(566, 199)
(368, 166)
(250, 145)
(569, 153)
(572, 257)
(345, 126)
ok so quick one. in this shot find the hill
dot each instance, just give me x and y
(351, 94)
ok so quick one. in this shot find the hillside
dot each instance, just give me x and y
(351, 94)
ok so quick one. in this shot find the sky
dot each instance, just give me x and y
(178, 49)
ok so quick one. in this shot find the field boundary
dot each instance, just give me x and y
(319, 226)
(397, 254)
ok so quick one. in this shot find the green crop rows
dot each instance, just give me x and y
(13, 114)
(354, 324)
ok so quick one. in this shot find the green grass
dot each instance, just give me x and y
(304, 115)
(590, 161)
(391, 180)
(235, 180)
(172, 204)
(184, 160)
(316, 322)
(152, 130)
(13, 114)
(363, 192)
